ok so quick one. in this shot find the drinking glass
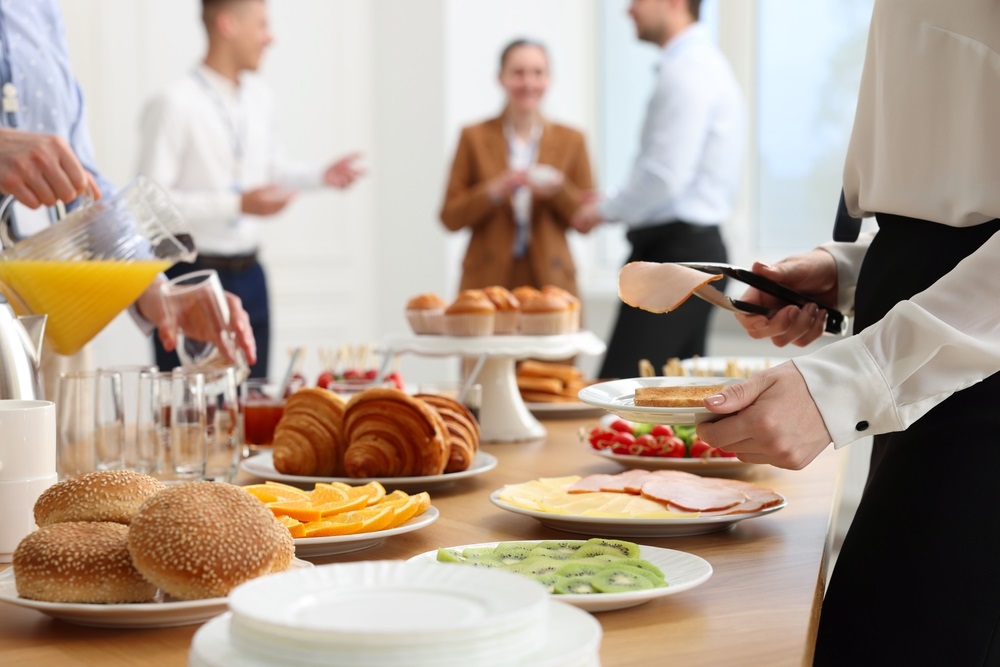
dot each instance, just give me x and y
(263, 406)
(189, 437)
(225, 448)
(152, 422)
(131, 375)
(197, 305)
(90, 422)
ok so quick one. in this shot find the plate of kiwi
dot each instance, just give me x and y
(596, 574)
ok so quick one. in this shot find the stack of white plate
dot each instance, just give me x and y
(390, 613)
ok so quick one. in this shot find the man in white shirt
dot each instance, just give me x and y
(208, 139)
(684, 182)
(916, 581)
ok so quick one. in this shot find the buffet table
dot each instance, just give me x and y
(760, 606)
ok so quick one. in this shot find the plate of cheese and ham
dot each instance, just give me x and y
(638, 503)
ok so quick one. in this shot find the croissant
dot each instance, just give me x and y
(309, 440)
(391, 434)
(463, 430)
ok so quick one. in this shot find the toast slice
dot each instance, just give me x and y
(691, 396)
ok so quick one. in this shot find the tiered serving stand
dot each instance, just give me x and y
(503, 416)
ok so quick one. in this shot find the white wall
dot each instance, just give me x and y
(395, 79)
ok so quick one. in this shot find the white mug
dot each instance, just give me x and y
(27, 466)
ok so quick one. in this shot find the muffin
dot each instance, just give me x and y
(545, 314)
(574, 305)
(524, 292)
(425, 313)
(471, 314)
(508, 309)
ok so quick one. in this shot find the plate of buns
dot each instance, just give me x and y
(657, 400)
(117, 548)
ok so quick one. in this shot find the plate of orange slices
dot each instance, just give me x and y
(335, 518)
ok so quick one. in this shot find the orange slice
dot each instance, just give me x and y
(395, 495)
(274, 492)
(327, 493)
(410, 508)
(294, 526)
(332, 528)
(373, 491)
(305, 510)
(372, 518)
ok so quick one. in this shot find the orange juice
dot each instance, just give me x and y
(80, 298)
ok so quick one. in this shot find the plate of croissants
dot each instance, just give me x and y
(407, 442)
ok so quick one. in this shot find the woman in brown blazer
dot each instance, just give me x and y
(515, 182)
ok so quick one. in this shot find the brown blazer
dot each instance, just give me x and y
(481, 155)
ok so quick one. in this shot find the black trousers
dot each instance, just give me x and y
(917, 581)
(658, 337)
(250, 285)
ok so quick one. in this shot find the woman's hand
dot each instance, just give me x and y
(500, 188)
(813, 274)
(772, 419)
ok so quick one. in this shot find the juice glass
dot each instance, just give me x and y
(263, 405)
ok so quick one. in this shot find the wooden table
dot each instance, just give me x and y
(759, 608)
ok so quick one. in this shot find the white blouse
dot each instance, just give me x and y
(926, 144)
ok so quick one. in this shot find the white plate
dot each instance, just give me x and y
(727, 466)
(163, 614)
(609, 527)
(618, 396)
(312, 547)
(262, 465)
(710, 467)
(573, 640)
(573, 410)
(681, 570)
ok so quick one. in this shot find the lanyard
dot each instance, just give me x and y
(8, 91)
(235, 128)
(533, 139)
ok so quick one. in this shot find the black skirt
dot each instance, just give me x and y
(917, 581)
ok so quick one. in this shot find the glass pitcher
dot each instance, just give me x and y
(86, 268)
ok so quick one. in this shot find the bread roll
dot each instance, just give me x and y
(202, 539)
(106, 495)
(79, 561)
(692, 396)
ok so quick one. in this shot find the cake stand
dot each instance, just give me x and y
(503, 416)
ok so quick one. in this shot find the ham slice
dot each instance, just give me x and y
(592, 484)
(689, 496)
(660, 288)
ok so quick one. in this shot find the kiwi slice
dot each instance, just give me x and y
(626, 549)
(574, 586)
(449, 556)
(485, 561)
(645, 566)
(622, 579)
(598, 551)
(547, 580)
(562, 549)
(579, 569)
(475, 553)
(510, 553)
(537, 566)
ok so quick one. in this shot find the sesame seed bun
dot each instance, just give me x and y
(79, 561)
(107, 495)
(202, 539)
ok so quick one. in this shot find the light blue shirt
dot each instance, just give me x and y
(692, 140)
(33, 40)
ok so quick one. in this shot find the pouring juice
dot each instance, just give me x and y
(79, 297)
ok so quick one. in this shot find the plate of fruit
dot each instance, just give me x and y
(659, 447)
(595, 574)
(339, 518)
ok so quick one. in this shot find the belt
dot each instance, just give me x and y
(230, 263)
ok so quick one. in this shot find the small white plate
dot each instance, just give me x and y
(699, 466)
(262, 465)
(610, 527)
(162, 614)
(681, 570)
(312, 547)
(618, 396)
